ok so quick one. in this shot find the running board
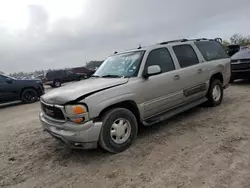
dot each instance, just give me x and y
(174, 111)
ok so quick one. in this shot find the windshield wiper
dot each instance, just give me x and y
(110, 76)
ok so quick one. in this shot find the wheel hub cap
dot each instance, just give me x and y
(120, 131)
(216, 93)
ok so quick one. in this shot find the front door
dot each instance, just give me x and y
(6, 93)
(160, 92)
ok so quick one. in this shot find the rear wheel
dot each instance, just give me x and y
(215, 93)
(29, 96)
(119, 130)
(57, 83)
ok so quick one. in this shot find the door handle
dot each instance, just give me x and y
(176, 77)
(200, 71)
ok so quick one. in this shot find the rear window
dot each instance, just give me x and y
(211, 50)
(54, 74)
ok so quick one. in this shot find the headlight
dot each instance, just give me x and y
(75, 109)
(77, 113)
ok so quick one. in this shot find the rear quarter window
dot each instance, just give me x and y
(53, 74)
(211, 50)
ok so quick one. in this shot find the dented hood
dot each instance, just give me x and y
(73, 91)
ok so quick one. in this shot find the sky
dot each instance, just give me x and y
(43, 34)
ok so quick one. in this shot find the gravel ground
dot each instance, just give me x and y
(204, 147)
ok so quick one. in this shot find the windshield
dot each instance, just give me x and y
(9, 77)
(121, 65)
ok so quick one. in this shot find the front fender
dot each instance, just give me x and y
(95, 110)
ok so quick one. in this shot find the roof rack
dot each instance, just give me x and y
(185, 40)
(199, 39)
(218, 39)
(179, 40)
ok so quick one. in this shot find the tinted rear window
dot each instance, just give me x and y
(211, 50)
(54, 74)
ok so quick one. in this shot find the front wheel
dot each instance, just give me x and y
(29, 96)
(215, 93)
(119, 130)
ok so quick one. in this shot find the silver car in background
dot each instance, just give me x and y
(135, 88)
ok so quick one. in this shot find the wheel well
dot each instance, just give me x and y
(130, 105)
(218, 76)
(27, 88)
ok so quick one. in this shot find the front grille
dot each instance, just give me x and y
(245, 60)
(53, 112)
(240, 66)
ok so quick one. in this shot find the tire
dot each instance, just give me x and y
(212, 99)
(231, 80)
(57, 83)
(29, 96)
(111, 118)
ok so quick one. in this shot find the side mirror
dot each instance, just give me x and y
(9, 80)
(152, 70)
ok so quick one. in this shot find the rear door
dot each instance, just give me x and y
(69, 76)
(193, 74)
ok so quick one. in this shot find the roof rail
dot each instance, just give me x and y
(218, 39)
(199, 39)
(179, 40)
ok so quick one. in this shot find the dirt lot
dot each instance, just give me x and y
(204, 147)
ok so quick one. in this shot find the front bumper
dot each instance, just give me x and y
(80, 136)
(241, 74)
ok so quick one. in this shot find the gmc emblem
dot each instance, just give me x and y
(49, 112)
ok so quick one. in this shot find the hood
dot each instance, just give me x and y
(73, 91)
(243, 54)
(28, 81)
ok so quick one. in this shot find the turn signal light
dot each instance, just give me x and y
(79, 120)
(79, 109)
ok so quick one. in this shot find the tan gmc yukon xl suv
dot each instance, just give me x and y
(134, 88)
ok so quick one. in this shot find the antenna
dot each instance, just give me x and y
(139, 47)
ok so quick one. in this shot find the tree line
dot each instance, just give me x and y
(237, 39)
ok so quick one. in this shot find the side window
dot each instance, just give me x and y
(162, 58)
(2, 79)
(211, 50)
(68, 72)
(185, 55)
